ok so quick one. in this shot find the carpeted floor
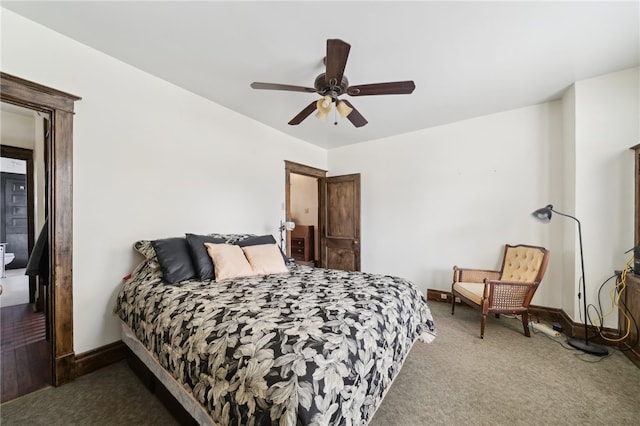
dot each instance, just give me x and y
(110, 396)
(505, 379)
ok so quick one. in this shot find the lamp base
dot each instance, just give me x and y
(587, 347)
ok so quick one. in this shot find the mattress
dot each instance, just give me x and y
(310, 346)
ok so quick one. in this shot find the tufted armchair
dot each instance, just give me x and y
(508, 291)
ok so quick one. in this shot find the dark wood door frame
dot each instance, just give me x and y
(300, 169)
(59, 106)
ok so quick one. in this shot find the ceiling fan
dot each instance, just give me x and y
(333, 83)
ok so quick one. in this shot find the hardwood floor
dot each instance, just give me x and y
(24, 351)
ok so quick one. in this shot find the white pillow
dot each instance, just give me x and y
(265, 259)
(229, 261)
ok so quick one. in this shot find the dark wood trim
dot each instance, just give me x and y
(301, 169)
(59, 105)
(636, 210)
(35, 96)
(551, 315)
(573, 329)
(436, 295)
(631, 295)
(95, 359)
(61, 238)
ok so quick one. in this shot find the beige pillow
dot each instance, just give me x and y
(228, 261)
(265, 259)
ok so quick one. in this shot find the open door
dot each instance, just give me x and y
(340, 222)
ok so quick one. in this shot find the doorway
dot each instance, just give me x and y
(22, 306)
(304, 213)
(338, 215)
(300, 205)
(58, 107)
(15, 214)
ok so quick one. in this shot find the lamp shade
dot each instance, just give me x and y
(323, 106)
(325, 102)
(543, 214)
(343, 109)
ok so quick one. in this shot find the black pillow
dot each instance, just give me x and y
(257, 240)
(175, 259)
(202, 262)
(261, 239)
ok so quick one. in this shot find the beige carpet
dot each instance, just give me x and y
(459, 379)
(507, 379)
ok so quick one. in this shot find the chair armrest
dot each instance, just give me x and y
(469, 275)
(509, 294)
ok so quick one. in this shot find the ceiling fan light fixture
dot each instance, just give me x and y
(343, 109)
(321, 115)
(325, 102)
(333, 83)
(324, 107)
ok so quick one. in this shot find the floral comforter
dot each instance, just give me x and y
(312, 346)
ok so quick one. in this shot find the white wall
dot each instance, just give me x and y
(150, 160)
(456, 194)
(304, 205)
(607, 116)
(27, 131)
(17, 129)
(11, 165)
(304, 199)
(564, 231)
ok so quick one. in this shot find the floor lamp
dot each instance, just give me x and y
(544, 215)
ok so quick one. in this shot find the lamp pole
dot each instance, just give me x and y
(544, 214)
(281, 235)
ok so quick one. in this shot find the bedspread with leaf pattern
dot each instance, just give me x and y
(310, 347)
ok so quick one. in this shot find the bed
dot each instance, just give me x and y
(306, 346)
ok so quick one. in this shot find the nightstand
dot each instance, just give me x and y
(302, 244)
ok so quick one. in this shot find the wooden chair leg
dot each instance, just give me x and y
(453, 303)
(483, 322)
(525, 323)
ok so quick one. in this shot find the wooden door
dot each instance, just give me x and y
(340, 222)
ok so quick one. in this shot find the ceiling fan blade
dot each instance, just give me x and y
(355, 117)
(275, 86)
(392, 88)
(303, 114)
(336, 60)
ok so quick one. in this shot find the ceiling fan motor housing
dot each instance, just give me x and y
(334, 90)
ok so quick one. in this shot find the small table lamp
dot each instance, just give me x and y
(285, 226)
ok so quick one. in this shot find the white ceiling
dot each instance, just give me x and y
(467, 58)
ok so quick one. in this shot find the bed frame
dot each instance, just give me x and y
(191, 407)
